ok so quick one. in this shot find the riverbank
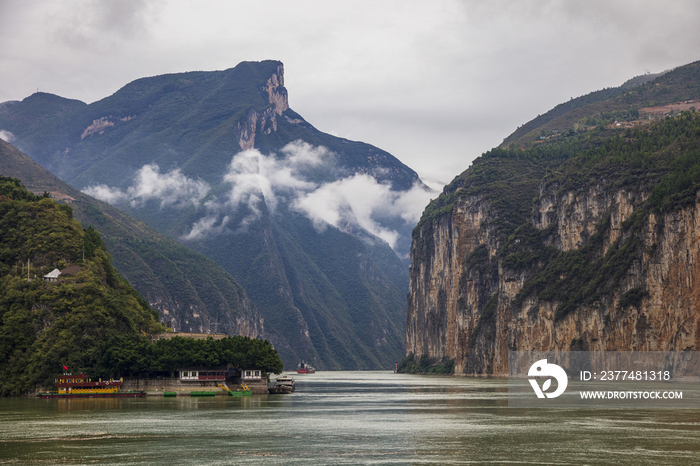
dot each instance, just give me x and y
(158, 386)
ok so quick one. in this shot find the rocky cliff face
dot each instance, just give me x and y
(467, 302)
(197, 318)
(276, 92)
(568, 236)
(265, 120)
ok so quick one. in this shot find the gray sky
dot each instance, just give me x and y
(434, 83)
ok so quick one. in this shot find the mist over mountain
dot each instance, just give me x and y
(188, 290)
(316, 228)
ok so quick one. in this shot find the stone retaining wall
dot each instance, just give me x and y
(156, 386)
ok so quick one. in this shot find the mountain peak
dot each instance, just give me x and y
(276, 92)
(304, 220)
(269, 72)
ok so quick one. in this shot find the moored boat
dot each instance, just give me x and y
(243, 391)
(81, 386)
(303, 368)
(282, 385)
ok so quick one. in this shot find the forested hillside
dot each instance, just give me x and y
(90, 320)
(45, 325)
(135, 355)
(633, 103)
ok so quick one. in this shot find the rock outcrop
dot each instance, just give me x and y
(265, 120)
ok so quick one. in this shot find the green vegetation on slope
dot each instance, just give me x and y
(134, 355)
(92, 322)
(426, 365)
(584, 101)
(509, 179)
(617, 104)
(562, 109)
(45, 325)
(663, 160)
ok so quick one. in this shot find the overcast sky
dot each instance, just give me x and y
(434, 83)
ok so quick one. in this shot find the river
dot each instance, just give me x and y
(343, 418)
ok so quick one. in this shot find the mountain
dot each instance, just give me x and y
(311, 225)
(580, 233)
(625, 103)
(189, 290)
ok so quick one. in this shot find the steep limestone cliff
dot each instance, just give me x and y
(265, 120)
(276, 92)
(606, 262)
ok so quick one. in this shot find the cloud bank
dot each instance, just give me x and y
(361, 200)
(253, 176)
(6, 136)
(256, 182)
(171, 189)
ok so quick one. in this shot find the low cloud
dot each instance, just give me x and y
(113, 196)
(6, 136)
(170, 189)
(361, 200)
(255, 177)
(208, 225)
(258, 182)
(357, 200)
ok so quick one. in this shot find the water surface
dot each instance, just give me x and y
(343, 418)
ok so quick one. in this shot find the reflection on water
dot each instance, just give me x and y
(343, 418)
